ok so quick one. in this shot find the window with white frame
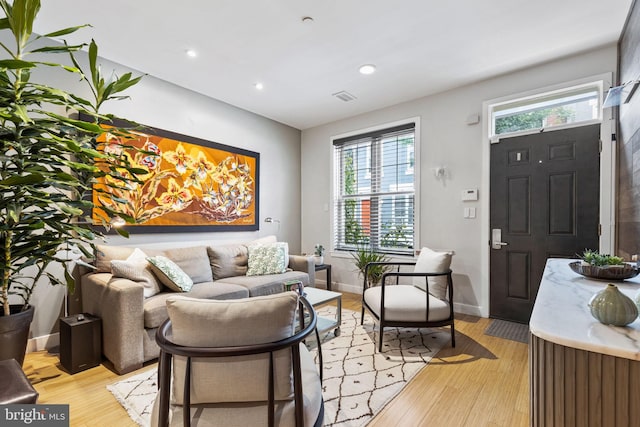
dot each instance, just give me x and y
(374, 204)
(559, 108)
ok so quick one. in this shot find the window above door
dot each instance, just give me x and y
(556, 109)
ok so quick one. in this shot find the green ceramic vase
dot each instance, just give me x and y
(612, 307)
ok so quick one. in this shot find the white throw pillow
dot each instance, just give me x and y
(268, 259)
(137, 269)
(431, 261)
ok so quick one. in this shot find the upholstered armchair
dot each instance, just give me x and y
(426, 302)
(237, 363)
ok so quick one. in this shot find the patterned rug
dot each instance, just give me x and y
(358, 381)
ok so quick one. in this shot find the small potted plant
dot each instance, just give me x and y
(363, 256)
(318, 254)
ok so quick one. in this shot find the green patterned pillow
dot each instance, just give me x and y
(170, 274)
(268, 259)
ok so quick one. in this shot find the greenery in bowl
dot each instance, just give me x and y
(594, 258)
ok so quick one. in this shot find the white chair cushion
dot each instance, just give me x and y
(431, 261)
(406, 303)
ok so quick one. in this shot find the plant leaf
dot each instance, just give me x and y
(65, 31)
(16, 64)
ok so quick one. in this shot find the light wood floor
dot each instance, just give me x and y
(481, 382)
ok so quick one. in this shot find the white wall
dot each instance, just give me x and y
(163, 105)
(446, 140)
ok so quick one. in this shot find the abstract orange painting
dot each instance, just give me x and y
(188, 184)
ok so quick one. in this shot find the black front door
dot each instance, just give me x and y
(544, 201)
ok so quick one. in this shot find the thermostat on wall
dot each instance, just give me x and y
(470, 194)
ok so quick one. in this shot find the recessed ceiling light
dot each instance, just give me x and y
(307, 20)
(259, 86)
(191, 53)
(368, 69)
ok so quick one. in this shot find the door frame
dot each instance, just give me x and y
(607, 176)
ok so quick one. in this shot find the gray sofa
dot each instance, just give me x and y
(130, 320)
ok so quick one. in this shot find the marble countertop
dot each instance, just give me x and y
(561, 315)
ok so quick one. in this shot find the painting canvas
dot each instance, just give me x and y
(190, 184)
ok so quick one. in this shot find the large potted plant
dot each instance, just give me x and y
(48, 162)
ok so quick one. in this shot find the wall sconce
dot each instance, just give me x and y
(115, 222)
(440, 172)
(269, 219)
(622, 94)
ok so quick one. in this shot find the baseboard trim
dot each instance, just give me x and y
(472, 310)
(44, 342)
(346, 287)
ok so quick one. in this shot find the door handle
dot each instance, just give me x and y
(496, 239)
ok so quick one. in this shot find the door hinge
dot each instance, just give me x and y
(599, 229)
(600, 147)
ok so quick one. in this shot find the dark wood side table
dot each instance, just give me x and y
(327, 268)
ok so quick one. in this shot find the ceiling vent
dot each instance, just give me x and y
(344, 96)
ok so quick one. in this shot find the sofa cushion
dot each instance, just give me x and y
(247, 321)
(194, 261)
(431, 261)
(170, 274)
(268, 284)
(105, 254)
(263, 241)
(228, 260)
(268, 259)
(137, 269)
(155, 308)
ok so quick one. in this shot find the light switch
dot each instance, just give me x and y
(472, 212)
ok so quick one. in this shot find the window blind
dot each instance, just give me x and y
(375, 191)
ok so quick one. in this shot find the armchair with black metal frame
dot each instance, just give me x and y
(402, 305)
(226, 385)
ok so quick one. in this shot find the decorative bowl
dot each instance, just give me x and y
(622, 272)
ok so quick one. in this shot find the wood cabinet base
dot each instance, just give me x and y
(571, 387)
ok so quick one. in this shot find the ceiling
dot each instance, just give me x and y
(420, 47)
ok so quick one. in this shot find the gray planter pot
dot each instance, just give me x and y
(14, 333)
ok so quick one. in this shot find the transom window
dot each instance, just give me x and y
(374, 203)
(578, 104)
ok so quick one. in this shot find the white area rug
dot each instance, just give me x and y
(358, 382)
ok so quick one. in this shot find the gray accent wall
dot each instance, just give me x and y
(628, 230)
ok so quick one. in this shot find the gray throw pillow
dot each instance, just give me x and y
(228, 260)
(192, 260)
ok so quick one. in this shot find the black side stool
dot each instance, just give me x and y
(80, 342)
(16, 388)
